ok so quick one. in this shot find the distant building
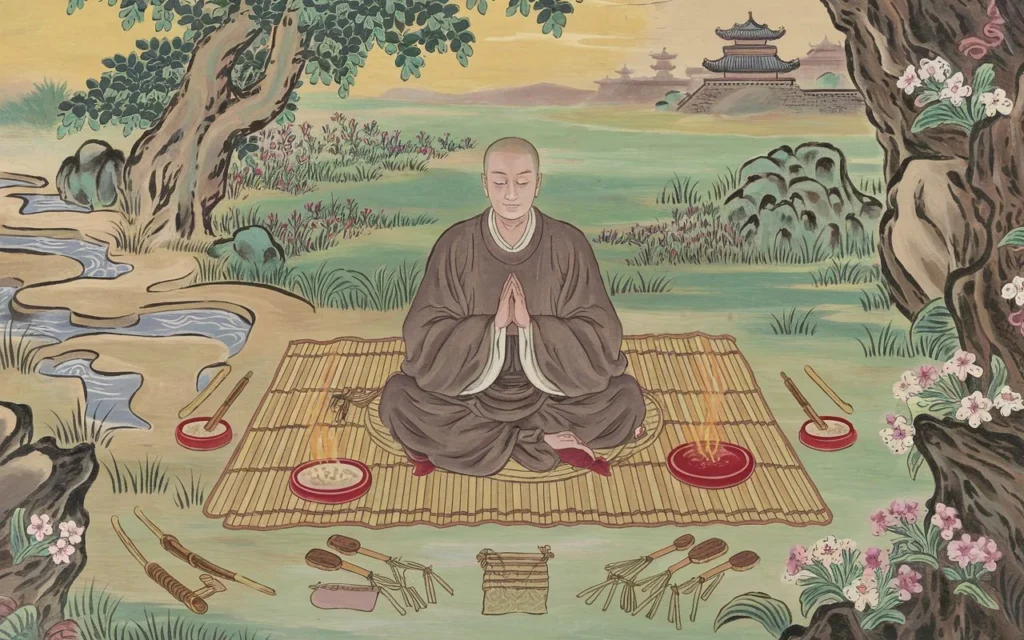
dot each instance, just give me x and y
(824, 67)
(750, 57)
(751, 78)
(646, 90)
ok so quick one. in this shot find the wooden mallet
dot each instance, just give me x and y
(704, 552)
(624, 573)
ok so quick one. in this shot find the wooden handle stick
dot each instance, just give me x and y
(351, 547)
(178, 550)
(682, 543)
(804, 404)
(742, 561)
(157, 573)
(211, 386)
(703, 552)
(215, 419)
(842, 404)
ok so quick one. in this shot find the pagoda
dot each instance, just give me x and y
(663, 65)
(624, 73)
(750, 57)
(826, 58)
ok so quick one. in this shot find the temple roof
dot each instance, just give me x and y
(826, 45)
(751, 64)
(664, 55)
(750, 30)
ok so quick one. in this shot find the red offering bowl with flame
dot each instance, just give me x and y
(732, 466)
(841, 434)
(191, 434)
(331, 481)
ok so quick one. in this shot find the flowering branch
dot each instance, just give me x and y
(38, 540)
(949, 100)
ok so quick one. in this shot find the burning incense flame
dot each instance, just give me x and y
(714, 395)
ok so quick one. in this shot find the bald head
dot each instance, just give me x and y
(513, 146)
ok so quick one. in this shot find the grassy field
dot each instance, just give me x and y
(603, 168)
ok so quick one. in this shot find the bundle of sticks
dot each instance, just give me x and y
(624, 573)
(351, 546)
(704, 585)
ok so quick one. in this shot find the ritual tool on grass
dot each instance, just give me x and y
(351, 546)
(704, 585)
(842, 404)
(178, 550)
(159, 575)
(356, 597)
(206, 434)
(657, 585)
(708, 462)
(327, 561)
(207, 391)
(823, 433)
(624, 574)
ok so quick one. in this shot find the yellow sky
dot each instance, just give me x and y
(38, 39)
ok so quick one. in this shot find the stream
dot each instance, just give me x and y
(107, 397)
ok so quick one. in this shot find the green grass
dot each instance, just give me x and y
(38, 108)
(846, 271)
(790, 324)
(174, 627)
(191, 495)
(873, 186)
(149, 477)
(680, 191)
(94, 610)
(890, 342)
(877, 299)
(80, 427)
(17, 350)
(620, 283)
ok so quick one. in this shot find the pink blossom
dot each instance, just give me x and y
(987, 553)
(946, 519)
(907, 582)
(927, 375)
(905, 510)
(1017, 320)
(881, 520)
(798, 559)
(961, 551)
(876, 559)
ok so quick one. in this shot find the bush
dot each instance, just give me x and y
(38, 108)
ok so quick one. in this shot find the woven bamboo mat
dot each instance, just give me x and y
(694, 384)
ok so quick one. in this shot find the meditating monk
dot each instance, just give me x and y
(513, 349)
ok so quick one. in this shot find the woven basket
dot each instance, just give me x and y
(515, 582)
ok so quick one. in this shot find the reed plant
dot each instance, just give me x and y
(177, 627)
(132, 236)
(790, 323)
(18, 349)
(725, 184)
(191, 495)
(80, 427)
(95, 612)
(680, 191)
(39, 108)
(872, 186)
(845, 271)
(384, 290)
(621, 283)
(149, 477)
(877, 299)
(892, 342)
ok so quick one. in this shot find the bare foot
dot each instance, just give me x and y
(640, 432)
(567, 440)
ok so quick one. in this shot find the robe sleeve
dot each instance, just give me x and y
(579, 347)
(447, 348)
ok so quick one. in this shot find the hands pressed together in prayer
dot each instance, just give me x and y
(512, 310)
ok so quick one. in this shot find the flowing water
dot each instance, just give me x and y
(107, 396)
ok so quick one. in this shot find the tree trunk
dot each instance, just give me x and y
(951, 200)
(177, 171)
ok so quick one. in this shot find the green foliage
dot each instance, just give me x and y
(620, 283)
(914, 462)
(191, 495)
(935, 323)
(791, 325)
(827, 80)
(774, 615)
(892, 342)
(999, 377)
(964, 116)
(23, 624)
(975, 591)
(94, 610)
(1015, 238)
(17, 350)
(81, 427)
(20, 541)
(846, 271)
(38, 108)
(146, 478)
(876, 617)
(877, 299)
(137, 87)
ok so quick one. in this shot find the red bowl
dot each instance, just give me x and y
(202, 444)
(810, 438)
(733, 466)
(332, 496)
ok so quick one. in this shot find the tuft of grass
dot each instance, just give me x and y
(180, 628)
(17, 350)
(877, 299)
(146, 478)
(384, 290)
(94, 610)
(680, 191)
(38, 108)
(620, 283)
(133, 236)
(191, 495)
(189, 245)
(872, 186)
(847, 271)
(725, 184)
(789, 324)
(80, 427)
(890, 342)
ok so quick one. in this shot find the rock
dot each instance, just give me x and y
(91, 177)
(42, 478)
(811, 180)
(66, 630)
(252, 246)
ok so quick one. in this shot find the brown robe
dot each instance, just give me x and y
(576, 340)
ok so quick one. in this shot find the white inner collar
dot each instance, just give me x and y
(531, 225)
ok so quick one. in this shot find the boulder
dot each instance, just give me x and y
(92, 177)
(812, 181)
(251, 246)
(41, 478)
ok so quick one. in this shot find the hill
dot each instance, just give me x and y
(541, 94)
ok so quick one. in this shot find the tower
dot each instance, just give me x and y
(750, 57)
(663, 65)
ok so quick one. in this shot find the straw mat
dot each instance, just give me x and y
(695, 385)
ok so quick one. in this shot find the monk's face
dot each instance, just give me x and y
(511, 183)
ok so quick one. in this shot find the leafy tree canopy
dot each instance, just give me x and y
(337, 36)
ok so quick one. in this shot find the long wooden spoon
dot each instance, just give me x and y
(704, 584)
(704, 552)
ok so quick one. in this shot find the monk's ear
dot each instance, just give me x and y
(483, 181)
(540, 177)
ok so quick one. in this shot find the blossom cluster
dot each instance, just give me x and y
(936, 76)
(59, 548)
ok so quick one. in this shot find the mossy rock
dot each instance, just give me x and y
(92, 177)
(253, 246)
